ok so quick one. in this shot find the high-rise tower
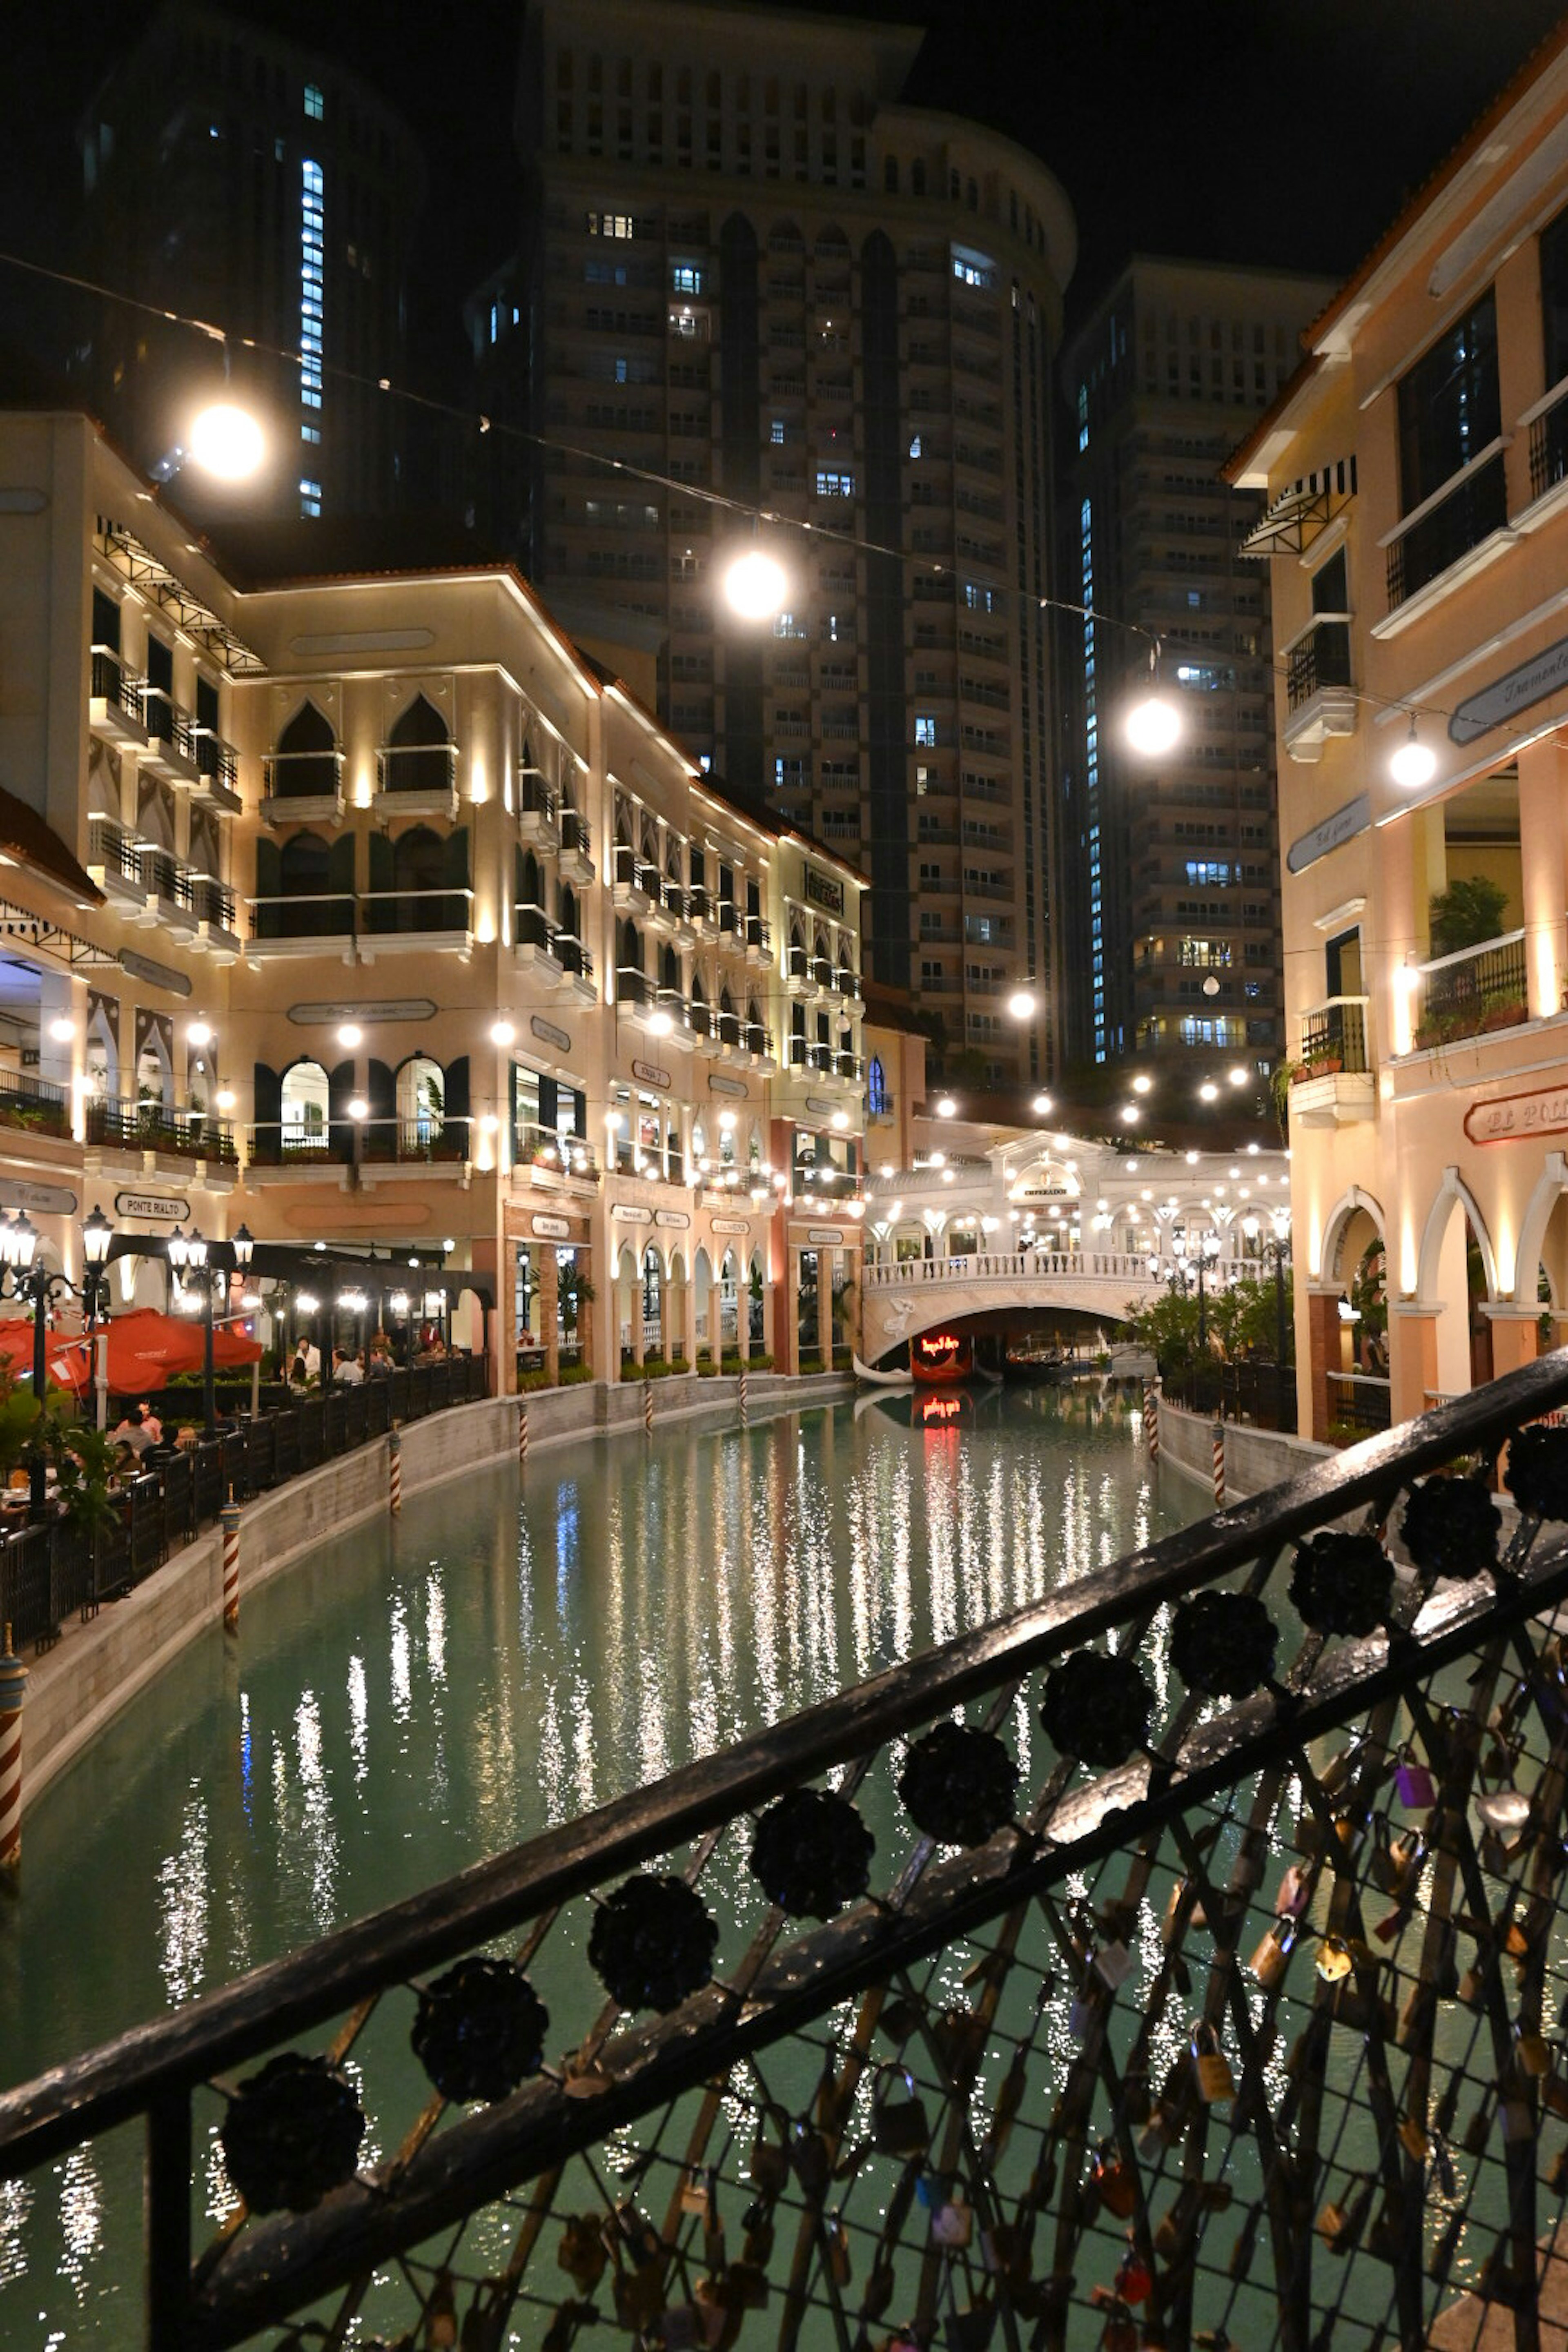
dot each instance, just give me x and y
(746, 266)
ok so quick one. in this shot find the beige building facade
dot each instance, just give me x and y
(1416, 526)
(401, 925)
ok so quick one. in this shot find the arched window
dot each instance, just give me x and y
(728, 1027)
(533, 924)
(669, 971)
(876, 1088)
(569, 936)
(304, 1107)
(756, 1029)
(419, 751)
(629, 977)
(652, 1300)
(798, 960)
(701, 1024)
(305, 765)
(421, 1102)
(421, 871)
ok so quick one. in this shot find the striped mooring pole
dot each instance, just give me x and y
(743, 1395)
(229, 1516)
(1218, 1464)
(647, 1406)
(1151, 1418)
(394, 1470)
(13, 1690)
(522, 1434)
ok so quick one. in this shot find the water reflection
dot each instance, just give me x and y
(430, 1691)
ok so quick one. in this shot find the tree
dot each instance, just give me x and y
(1466, 914)
(1169, 1329)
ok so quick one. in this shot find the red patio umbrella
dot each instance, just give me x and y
(145, 1348)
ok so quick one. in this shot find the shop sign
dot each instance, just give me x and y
(1515, 692)
(822, 1109)
(824, 1234)
(719, 1084)
(159, 1206)
(728, 1225)
(48, 1200)
(677, 1220)
(552, 1229)
(627, 1212)
(1545, 1111)
(822, 891)
(1332, 833)
(652, 1076)
(549, 1035)
(386, 1008)
(156, 975)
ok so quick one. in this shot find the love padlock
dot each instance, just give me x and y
(1215, 2080)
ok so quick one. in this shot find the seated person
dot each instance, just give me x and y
(306, 1366)
(132, 1432)
(151, 1422)
(381, 1358)
(347, 1371)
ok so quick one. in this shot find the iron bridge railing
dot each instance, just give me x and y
(1206, 1989)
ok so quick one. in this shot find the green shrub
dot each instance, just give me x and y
(810, 1364)
(707, 1369)
(573, 1375)
(657, 1368)
(536, 1377)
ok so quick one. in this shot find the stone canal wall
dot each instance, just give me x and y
(1254, 1458)
(95, 1669)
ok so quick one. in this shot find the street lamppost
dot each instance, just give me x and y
(188, 1252)
(1199, 1251)
(23, 1276)
(1274, 1250)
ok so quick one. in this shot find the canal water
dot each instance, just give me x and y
(420, 1694)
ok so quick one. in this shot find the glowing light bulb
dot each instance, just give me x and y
(1153, 725)
(1414, 763)
(226, 442)
(755, 585)
(1021, 1003)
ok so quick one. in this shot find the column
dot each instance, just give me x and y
(689, 1319)
(1543, 858)
(1412, 1357)
(590, 1325)
(786, 1343)
(826, 1262)
(742, 1303)
(1325, 1354)
(1514, 1336)
(549, 1312)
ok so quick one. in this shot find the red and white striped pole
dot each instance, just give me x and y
(229, 1517)
(522, 1434)
(13, 1690)
(743, 1395)
(394, 1471)
(1218, 1464)
(1151, 1418)
(647, 1406)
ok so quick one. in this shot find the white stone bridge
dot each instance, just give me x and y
(927, 1294)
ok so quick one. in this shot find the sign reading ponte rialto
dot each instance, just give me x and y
(162, 1208)
(1517, 689)
(1513, 1117)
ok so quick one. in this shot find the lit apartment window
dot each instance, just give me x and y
(310, 496)
(312, 246)
(315, 104)
(686, 277)
(616, 225)
(925, 731)
(834, 485)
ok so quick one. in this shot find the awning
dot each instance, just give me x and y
(1298, 514)
(136, 559)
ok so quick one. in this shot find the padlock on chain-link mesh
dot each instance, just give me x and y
(1215, 2080)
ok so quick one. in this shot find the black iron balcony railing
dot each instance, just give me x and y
(1473, 509)
(313, 917)
(536, 798)
(1472, 993)
(426, 1140)
(632, 987)
(157, 1127)
(167, 721)
(1334, 1037)
(416, 911)
(1549, 446)
(549, 1148)
(216, 761)
(576, 835)
(627, 876)
(213, 901)
(1322, 658)
(572, 956)
(33, 1105)
(302, 775)
(1197, 1984)
(113, 683)
(531, 927)
(416, 768)
(758, 938)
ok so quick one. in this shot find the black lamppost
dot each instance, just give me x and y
(23, 1276)
(188, 1252)
(1200, 1251)
(1274, 1250)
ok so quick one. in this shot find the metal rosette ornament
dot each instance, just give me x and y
(480, 2030)
(812, 1853)
(291, 2134)
(958, 1783)
(1342, 1584)
(1096, 1708)
(1451, 1527)
(1222, 1644)
(1536, 1475)
(652, 1944)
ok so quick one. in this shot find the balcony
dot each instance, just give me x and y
(847, 982)
(667, 905)
(438, 922)
(576, 848)
(672, 1005)
(535, 941)
(217, 773)
(300, 926)
(1318, 699)
(114, 710)
(152, 888)
(630, 887)
(387, 1148)
(547, 1158)
(577, 964)
(1334, 1085)
(33, 1106)
(1456, 522)
(131, 1129)
(758, 942)
(538, 816)
(1473, 993)
(302, 788)
(171, 752)
(416, 780)
(291, 1154)
(700, 912)
(799, 977)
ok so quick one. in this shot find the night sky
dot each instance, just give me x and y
(1283, 131)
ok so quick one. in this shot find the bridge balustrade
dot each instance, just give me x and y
(1230, 2002)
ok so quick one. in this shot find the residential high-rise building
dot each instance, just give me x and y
(747, 268)
(1169, 941)
(235, 177)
